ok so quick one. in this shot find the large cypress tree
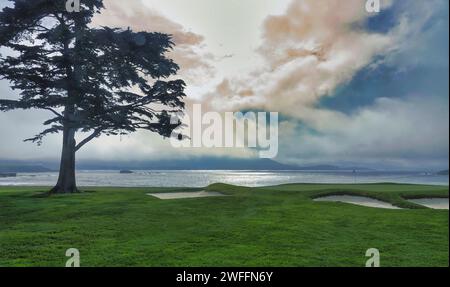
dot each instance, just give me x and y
(92, 81)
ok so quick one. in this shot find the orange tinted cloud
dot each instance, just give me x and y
(188, 52)
(308, 51)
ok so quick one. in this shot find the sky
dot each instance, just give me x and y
(351, 87)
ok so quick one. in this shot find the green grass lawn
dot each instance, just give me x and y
(271, 226)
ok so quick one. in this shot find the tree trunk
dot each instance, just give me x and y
(66, 180)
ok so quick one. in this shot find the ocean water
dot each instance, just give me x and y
(243, 178)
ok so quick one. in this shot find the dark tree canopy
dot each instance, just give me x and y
(95, 80)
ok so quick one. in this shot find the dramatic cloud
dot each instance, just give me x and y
(318, 46)
(422, 31)
(393, 132)
(310, 50)
(189, 51)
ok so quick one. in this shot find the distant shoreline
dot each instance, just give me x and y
(248, 170)
(249, 178)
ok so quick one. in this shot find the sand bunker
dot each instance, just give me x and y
(358, 200)
(182, 195)
(434, 203)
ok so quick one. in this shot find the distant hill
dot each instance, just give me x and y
(188, 164)
(444, 172)
(14, 167)
(318, 167)
(203, 163)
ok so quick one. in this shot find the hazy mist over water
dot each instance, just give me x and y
(241, 178)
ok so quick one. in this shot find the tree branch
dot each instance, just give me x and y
(53, 111)
(95, 134)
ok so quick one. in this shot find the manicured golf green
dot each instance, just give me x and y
(272, 226)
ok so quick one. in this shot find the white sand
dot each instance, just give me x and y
(434, 203)
(182, 195)
(358, 200)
